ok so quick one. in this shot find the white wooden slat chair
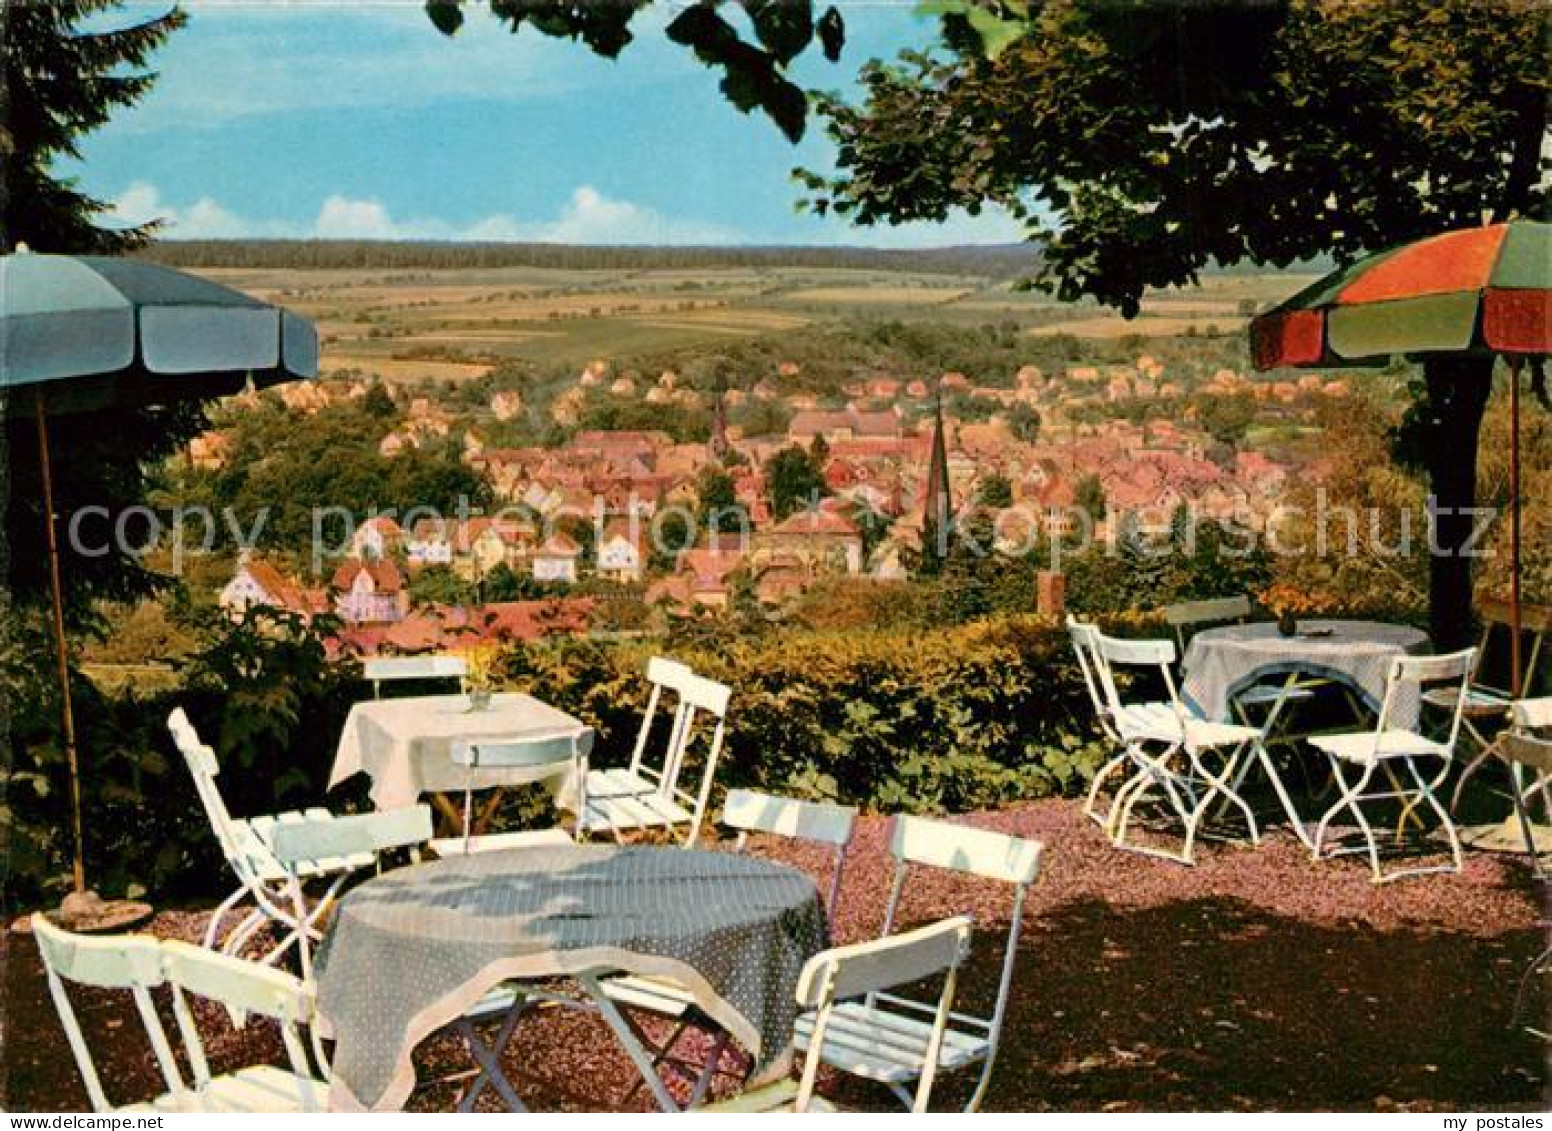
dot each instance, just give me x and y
(275, 887)
(1187, 617)
(1134, 722)
(561, 752)
(1527, 749)
(1083, 646)
(1097, 680)
(1490, 703)
(666, 804)
(834, 982)
(1395, 751)
(745, 811)
(641, 775)
(138, 964)
(1167, 746)
(378, 670)
(885, 1037)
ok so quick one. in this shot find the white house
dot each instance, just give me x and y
(621, 552)
(556, 560)
(430, 543)
(259, 583)
(376, 539)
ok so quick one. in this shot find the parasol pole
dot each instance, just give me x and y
(67, 716)
(1514, 521)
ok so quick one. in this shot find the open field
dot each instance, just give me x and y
(445, 324)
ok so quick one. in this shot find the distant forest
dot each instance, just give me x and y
(999, 261)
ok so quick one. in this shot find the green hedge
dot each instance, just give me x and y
(939, 720)
(943, 720)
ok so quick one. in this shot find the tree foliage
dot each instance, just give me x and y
(754, 73)
(1141, 142)
(794, 479)
(62, 82)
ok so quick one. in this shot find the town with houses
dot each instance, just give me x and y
(579, 518)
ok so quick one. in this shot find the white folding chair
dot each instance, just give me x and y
(1489, 701)
(140, 963)
(1186, 617)
(1389, 746)
(641, 776)
(835, 982)
(618, 804)
(1133, 721)
(816, 822)
(747, 812)
(379, 670)
(342, 845)
(1082, 637)
(559, 753)
(1166, 743)
(1527, 749)
(885, 1037)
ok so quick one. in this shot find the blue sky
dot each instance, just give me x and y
(360, 120)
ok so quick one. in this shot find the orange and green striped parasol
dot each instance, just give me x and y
(1484, 291)
(1481, 290)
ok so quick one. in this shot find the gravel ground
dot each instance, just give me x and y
(1256, 980)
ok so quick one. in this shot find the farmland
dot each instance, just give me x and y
(453, 323)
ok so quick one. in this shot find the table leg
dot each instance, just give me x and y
(489, 1060)
(1263, 755)
(451, 814)
(627, 1038)
(487, 811)
(1282, 796)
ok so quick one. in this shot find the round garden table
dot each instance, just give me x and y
(405, 747)
(1220, 663)
(410, 952)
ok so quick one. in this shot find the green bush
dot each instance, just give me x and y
(944, 720)
(262, 691)
(921, 720)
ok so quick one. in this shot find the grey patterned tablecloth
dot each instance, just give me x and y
(405, 745)
(1222, 662)
(410, 951)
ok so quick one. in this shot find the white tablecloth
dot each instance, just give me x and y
(405, 745)
(1222, 662)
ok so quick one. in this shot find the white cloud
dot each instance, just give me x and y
(341, 218)
(590, 217)
(204, 219)
(587, 217)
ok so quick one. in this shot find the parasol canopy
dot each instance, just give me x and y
(1481, 290)
(93, 334)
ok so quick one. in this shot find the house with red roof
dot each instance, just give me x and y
(370, 592)
(259, 583)
(556, 559)
(622, 551)
(822, 539)
(849, 423)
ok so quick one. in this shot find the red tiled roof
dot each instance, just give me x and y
(823, 521)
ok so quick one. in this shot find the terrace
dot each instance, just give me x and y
(1259, 980)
